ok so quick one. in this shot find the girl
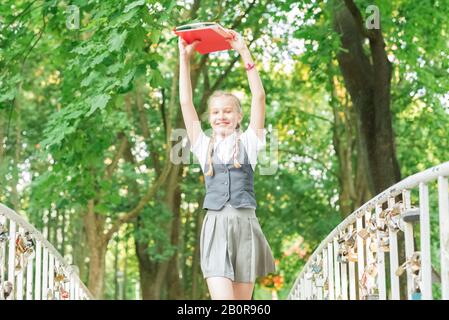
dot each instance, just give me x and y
(233, 248)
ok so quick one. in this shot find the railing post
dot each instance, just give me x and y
(72, 287)
(314, 288)
(409, 245)
(426, 271)
(336, 270)
(443, 204)
(45, 275)
(369, 253)
(29, 279)
(56, 294)
(320, 288)
(308, 285)
(352, 277)
(12, 253)
(2, 251)
(325, 273)
(330, 271)
(38, 276)
(360, 253)
(344, 279)
(394, 260)
(67, 288)
(303, 289)
(19, 264)
(381, 280)
(51, 275)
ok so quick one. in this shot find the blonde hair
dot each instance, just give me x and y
(235, 151)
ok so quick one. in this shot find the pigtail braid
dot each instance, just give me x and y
(236, 148)
(210, 171)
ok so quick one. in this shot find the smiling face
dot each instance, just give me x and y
(224, 115)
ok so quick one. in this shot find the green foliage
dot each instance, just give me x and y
(159, 246)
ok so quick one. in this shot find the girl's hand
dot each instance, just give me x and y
(237, 42)
(186, 50)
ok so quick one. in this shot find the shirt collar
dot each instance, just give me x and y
(231, 137)
(224, 143)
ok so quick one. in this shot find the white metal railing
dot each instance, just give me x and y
(30, 267)
(355, 259)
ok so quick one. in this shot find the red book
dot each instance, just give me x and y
(212, 36)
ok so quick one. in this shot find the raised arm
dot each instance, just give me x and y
(257, 118)
(189, 114)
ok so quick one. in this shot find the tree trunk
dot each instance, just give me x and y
(94, 225)
(96, 270)
(2, 137)
(188, 228)
(80, 251)
(344, 141)
(160, 280)
(368, 84)
(343, 138)
(368, 81)
(116, 270)
(125, 271)
(152, 274)
(54, 229)
(63, 234)
(196, 269)
(15, 199)
(173, 201)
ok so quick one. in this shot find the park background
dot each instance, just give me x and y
(87, 108)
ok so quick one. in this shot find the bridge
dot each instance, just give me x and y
(381, 251)
(30, 267)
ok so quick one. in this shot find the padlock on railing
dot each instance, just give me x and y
(3, 233)
(413, 263)
(316, 268)
(363, 233)
(416, 295)
(342, 256)
(410, 215)
(7, 290)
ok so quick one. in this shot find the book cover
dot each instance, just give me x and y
(211, 35)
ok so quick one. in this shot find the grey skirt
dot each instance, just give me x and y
(232, 245)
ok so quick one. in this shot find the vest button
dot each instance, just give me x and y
(226, 182)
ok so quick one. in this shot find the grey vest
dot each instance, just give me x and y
(228, 183)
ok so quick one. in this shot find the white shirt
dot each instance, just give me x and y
(224, 147)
